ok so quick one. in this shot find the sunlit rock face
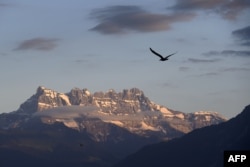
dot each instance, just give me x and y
(129, 109)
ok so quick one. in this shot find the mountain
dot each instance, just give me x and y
(96, 129)
(129, 109)
(202, 147)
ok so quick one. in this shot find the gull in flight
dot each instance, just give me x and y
(159, 55)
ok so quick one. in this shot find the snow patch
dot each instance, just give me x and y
(71, 124)
(44, 104)
(144, 126)
(65, 98)
(165, 111)
(205, 113)
(208, 118)
(118, 123)
(181, 116)
(87, 93)
(131, 101)
(50, 93)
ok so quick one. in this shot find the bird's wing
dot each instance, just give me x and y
(157, 54)
(171, 55)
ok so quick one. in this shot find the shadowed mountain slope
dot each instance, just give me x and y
(201, 147)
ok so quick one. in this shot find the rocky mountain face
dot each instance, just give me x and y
(129, 109)
(201, 147)
(108, 126)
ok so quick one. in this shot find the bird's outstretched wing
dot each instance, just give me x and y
(171, 55)
(157, 54)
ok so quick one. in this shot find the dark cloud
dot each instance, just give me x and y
(42, 44)
(122, 19)
(228, 53)
(193, 60)
(228, 9)
(235, 53)
(244, 35)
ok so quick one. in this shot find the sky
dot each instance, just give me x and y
(62, 44)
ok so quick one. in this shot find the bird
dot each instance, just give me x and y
(159, 55)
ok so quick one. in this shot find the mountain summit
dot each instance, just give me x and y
(129, 109)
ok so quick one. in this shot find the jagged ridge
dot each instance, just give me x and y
(129, 109)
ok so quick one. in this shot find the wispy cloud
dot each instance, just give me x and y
(222, 71)
(235, 69)
(6, 5)
(194, 60)
(243, 35)
(81, 61)
(69, 112)
(3, 5)
(41, 44)
(169, 85)
(235, 53)
(228, 9)
(124, 19)
(208, 74)
(184, 68)
(3, 54)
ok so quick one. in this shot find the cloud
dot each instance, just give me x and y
(41, 44)
(169, 85)
(228, 9)
(235, 69)
(3, 54)
(208, 74)
(123, 19)
(235, 53)
(193, 60)
(223, 70)
(81, 61)
(67, 112)
(184, 68)
(3, 5)
(244, 35)
(6, 5)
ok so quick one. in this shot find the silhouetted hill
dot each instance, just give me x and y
(200, 148)
(38, 144)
